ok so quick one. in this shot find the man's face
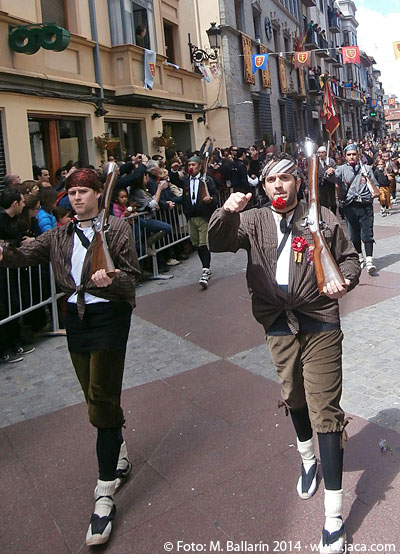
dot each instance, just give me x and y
(193, 168)
(84, 201)
(19, 206)
(282, 185)
(351, 157)
(322, 155)
(16, 179)
(45, 176)
(64, 173)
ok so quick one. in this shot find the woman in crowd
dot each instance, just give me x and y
(48, 200)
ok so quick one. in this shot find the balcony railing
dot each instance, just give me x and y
(353, 94)
(309, 3)
(333, 21)
(311, 40)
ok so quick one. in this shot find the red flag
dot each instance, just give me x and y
(302, 59)
(351, 54)
(329, 110)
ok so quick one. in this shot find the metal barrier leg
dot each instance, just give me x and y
(54, 309)
(156, 275)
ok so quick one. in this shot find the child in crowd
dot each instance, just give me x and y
(120, 203)
(62, 215)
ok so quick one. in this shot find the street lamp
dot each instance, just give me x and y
(214, 36)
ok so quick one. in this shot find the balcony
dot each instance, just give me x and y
(124, 71)
(311, 40)
(333, 21)
(331, 57)
(353, 95)
(338, 60)
(309, 3)
(313, 84)
(337, 90)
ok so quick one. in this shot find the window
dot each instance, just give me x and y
(53, 11)
(346, 40)
(239, 15)
(276, 40)
(321, 5)
(257, 24)
(126, 17)
(170, 37)
(129, 134)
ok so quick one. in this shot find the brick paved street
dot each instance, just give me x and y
(210, 447)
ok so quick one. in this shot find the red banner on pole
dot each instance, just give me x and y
(302, 60)
(329, 110)
(351, 54)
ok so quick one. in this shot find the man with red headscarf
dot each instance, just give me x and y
(98, 320)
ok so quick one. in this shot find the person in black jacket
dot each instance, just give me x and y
(240, 181)
(11, 205)
(198, 206)
(384, 187)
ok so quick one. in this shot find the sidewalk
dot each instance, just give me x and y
(214, 460)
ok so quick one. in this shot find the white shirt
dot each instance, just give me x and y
(283, 263)
(194, 187)
(77, 259)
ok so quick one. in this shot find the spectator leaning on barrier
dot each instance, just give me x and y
(11, 206)
(98, 321)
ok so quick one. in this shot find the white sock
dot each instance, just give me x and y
(361, 257)
(103, 506)
(333, 503)
(123, 453)
(369, 259)
(307, 453)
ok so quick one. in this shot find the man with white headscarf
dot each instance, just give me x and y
(302, 327)
(356, 199)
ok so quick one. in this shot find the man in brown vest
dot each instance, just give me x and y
(97, 324)
(302, 327)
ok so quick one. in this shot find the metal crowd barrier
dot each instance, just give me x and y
(30, 288)
(24, 290)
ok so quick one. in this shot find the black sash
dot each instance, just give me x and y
(82, 237)
(284, 240)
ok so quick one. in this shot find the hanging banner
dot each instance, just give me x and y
(149, 68)
(392, 102)
(302, 84)
(206, 72)
(302, 59)
(396, 48)
(374, 103)
(282, 75)
(259, 61)
(215, 71)
(247, 61)
(329, 110)
(351, 54)
(265, 74)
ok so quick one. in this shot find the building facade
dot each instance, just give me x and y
(89, 100)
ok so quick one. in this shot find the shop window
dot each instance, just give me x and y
(53, 11)
(130, 138)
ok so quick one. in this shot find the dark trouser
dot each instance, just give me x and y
(310, 369)
(100, 375)
(360, 223)
(327, 195)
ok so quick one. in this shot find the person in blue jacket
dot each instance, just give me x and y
(45, 217)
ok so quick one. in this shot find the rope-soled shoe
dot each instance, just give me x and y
(307, 483)
(100, 525)
(333, 543)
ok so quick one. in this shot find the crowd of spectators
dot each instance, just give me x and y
(145, 196)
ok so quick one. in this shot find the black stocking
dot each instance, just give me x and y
(331, 459)
(302, 424)
(108, 445)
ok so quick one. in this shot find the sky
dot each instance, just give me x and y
(379, 27)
